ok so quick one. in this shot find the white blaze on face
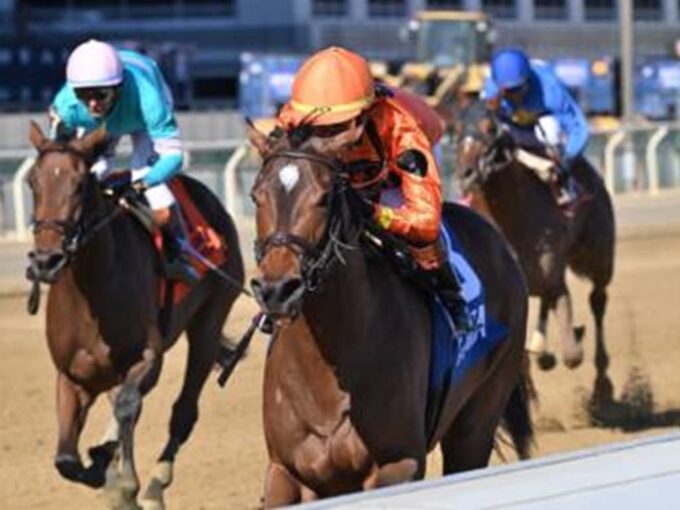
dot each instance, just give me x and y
(467, 142)
(289, 176)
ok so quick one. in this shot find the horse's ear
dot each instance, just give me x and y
(338, 143)
(36, 136)
(91, 142)
(257, 138)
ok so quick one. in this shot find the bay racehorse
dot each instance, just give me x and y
(545, 240)
(103, 311)
(346, 376)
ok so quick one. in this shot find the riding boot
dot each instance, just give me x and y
(567, 189)
(177, 264)
(449, 290)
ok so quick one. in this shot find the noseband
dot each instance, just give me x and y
(313, 259)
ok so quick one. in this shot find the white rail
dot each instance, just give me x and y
(654, 138)
(21, 231)
(18, 194)
(652, 158)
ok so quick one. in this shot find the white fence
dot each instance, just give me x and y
(644, 473)
(638, 159)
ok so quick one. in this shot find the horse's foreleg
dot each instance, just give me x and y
(603, 386)
(204, 334)
(572, 350)
(280, 487)
(73, 403)
(393, 473)
(538, 345)
(139, 380)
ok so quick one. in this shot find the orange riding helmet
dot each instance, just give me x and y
(332, 86)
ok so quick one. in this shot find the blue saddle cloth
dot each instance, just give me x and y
(453, 353)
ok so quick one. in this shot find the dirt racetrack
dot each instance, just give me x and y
(223, 463)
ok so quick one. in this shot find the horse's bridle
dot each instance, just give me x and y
(75, 232)
(489, 163)
(313, 259)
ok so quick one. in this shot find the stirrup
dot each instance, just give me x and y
(460, 317)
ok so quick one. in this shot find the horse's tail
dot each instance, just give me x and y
(517, 415)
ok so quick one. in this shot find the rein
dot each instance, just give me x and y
(489, 163)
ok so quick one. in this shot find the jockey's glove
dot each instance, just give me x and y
(360, 205)
(139, 186)
(133, 193)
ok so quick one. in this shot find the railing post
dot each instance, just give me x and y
(18, 195)
(231, 196)
(609, 155)
(652, 159)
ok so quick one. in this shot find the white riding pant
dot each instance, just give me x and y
(545, 137)
(143, 156)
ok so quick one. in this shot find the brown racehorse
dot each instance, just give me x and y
(103, 315)
(546, 241)
(346, 378)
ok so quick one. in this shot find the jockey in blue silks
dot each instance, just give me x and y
(539, 113)
(126, 92)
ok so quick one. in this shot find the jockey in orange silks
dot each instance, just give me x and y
(334, 91)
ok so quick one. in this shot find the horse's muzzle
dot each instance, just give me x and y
(45, 265)
(279, 298)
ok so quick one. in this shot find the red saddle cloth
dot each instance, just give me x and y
(202, 237)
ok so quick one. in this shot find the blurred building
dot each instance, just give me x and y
(200, 41)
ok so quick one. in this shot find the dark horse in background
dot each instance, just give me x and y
(545, 239)
(103, 309)
(346, 377)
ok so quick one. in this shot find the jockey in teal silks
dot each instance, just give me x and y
(539, 113)
(126, 92)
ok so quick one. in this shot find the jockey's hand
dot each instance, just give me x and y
(139, 186)
(360, 205)
(117, 180)
(132, 194)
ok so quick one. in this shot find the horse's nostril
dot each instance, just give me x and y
(54, 260)
(46, 260)
(260, 289)
(288, 288)
(277, 295)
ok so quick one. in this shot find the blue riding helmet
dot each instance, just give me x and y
(510, 68)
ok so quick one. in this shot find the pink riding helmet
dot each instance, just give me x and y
(94, 64)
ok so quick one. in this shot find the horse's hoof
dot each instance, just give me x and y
(573, 359)
(153, 496)
(546, 361)
(579, 333)
(150, 504)
(537, 344)
(603, 392)
(163, 473)
(69, 467)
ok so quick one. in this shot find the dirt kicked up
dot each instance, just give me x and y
(223, 464)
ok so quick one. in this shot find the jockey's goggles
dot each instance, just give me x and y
(512, 91)
(98, 94)
(331, 129)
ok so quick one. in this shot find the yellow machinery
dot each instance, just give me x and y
(446, 44)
